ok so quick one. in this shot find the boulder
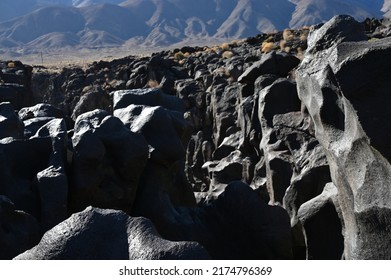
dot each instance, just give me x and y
(277, 155)
(245, 227)
(31, 126)
(19, 231)
(41, 110)
(15, 72)
(249, 124)
(100, 234)
(53, 191)
(167, 84)
(166, 133)
(188, 90)
(10, 124)
(21, 161)
(95, 99)
(271, 63)
(53, 182)
(164, 130)
(108, 160)
(294, 163)
(321, 218)
(148, 97)
(341, 28)
(34, 174)
(359, 167)
(236, 225)
(18, 95)
(15, 84)
(368, 91)
(55, 128)
(270, 101)
(199, 151)
(230, 144)
(224, 171)
(223, 104)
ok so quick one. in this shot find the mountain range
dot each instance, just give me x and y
(37, 25)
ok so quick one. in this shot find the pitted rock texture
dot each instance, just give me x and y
(346, 108)
(99, 234)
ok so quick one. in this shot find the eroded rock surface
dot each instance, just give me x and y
(99, 234)
(344, 92)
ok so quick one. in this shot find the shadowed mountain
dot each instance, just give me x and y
(157, 23)
(309, 12)
(115, 20)
(248, 17)
(41, 22)
(55, 40)
(98, 39)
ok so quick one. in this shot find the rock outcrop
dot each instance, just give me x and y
(98, 234)
(19, 231)
(249, 150)
(107, 162)
(344, 89)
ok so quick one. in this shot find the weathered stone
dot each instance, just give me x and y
(19, 231)
(97, 234)
(277, 156)
(245, 227)
(368, 91)
(41, 110)
(10, 124)
(52, 182)
(164, 130)
(90, 101)
(225, 170)
(31, 126)
(321, 220)
(53, 191)
(16, 94)
(270, 101)
(21, 160)
(55, 128)
(223, 102)
(188, 91)
(272, 63)
(198, 152)
(359, 171)
(15, 72)
(339, 29)
(108, 160)
(148, 97)
(229, 145)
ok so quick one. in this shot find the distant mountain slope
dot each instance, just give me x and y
(386, 8)
(43, 21)
(85, 3)
(98, 39)
(249, 17)
(50, 24)
(309, 12)
(54, 40)
(113, 19)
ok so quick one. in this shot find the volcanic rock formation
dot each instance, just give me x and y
(252, 150)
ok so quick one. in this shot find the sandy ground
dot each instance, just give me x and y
(64, 57)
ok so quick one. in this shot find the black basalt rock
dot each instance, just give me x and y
(98, 234)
